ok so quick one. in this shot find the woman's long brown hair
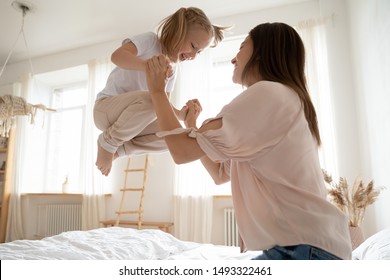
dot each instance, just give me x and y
(279, 56)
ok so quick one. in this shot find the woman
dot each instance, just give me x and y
(266, 143)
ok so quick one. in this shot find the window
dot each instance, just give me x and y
(223, 90)
(65, 128)
(53, 149)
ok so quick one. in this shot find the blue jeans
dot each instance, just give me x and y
(298, 252)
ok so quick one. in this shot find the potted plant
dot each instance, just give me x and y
(353, 201)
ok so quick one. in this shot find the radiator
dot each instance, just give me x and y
(231, 229)
(56, 218)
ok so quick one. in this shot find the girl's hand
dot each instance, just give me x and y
(193, 112)
(183, 113)
(157, 69)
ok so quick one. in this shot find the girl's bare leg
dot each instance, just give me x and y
(104, 160)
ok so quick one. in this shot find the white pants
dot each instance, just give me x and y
(129, 124)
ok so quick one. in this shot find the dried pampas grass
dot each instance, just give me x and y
(352, 201)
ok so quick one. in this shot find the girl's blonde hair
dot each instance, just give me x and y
(173, 29)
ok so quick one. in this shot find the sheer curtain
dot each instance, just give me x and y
(31, 149)
(192, 196)
(93, 181)
(313, 35)
(370, 45)
(14, 223)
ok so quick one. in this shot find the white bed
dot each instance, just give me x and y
(376, 247)
(117, 243)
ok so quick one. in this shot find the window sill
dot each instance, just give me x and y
(58, 194)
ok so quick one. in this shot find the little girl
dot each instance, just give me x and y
(123, 109)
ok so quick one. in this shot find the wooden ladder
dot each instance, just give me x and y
(126, 189)
(139, 223)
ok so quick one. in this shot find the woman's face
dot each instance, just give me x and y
(196, 40)
(239, 62)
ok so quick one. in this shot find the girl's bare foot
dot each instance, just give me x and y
(104, 160)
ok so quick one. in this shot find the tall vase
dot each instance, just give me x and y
(357, 237)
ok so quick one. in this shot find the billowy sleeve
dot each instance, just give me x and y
(252, 123)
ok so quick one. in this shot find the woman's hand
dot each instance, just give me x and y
(158, 70)
(193, 110)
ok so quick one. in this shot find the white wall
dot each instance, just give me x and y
(351, 154)
(30, 210)
(58, 61)
(158, 200)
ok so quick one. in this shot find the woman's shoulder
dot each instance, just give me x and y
(265, 94)
(271, 90)
(269, 86)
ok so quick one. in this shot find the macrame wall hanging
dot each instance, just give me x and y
(10, 105)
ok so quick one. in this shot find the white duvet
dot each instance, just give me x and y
(116, 243)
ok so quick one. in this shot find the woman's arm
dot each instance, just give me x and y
(212, 167)
(183, 149)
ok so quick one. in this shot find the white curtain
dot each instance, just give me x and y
(192, 197)
(93, 181)
(29, 157)
(14, 222)
(370, 23)
(313, 35)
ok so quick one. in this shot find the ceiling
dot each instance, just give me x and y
(53, 26)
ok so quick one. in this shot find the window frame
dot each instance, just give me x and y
(81, 85)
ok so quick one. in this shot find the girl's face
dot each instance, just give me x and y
(196, 40)
(239, 62)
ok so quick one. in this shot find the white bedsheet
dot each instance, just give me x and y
(116, 243)
(376, 247)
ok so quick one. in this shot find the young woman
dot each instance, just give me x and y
(123, 109)
(266, 143)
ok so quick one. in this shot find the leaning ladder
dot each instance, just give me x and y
(121, 211)
(164, 226)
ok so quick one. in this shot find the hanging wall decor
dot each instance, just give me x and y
(12, 106)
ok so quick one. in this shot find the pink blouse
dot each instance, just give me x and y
(279, 196)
